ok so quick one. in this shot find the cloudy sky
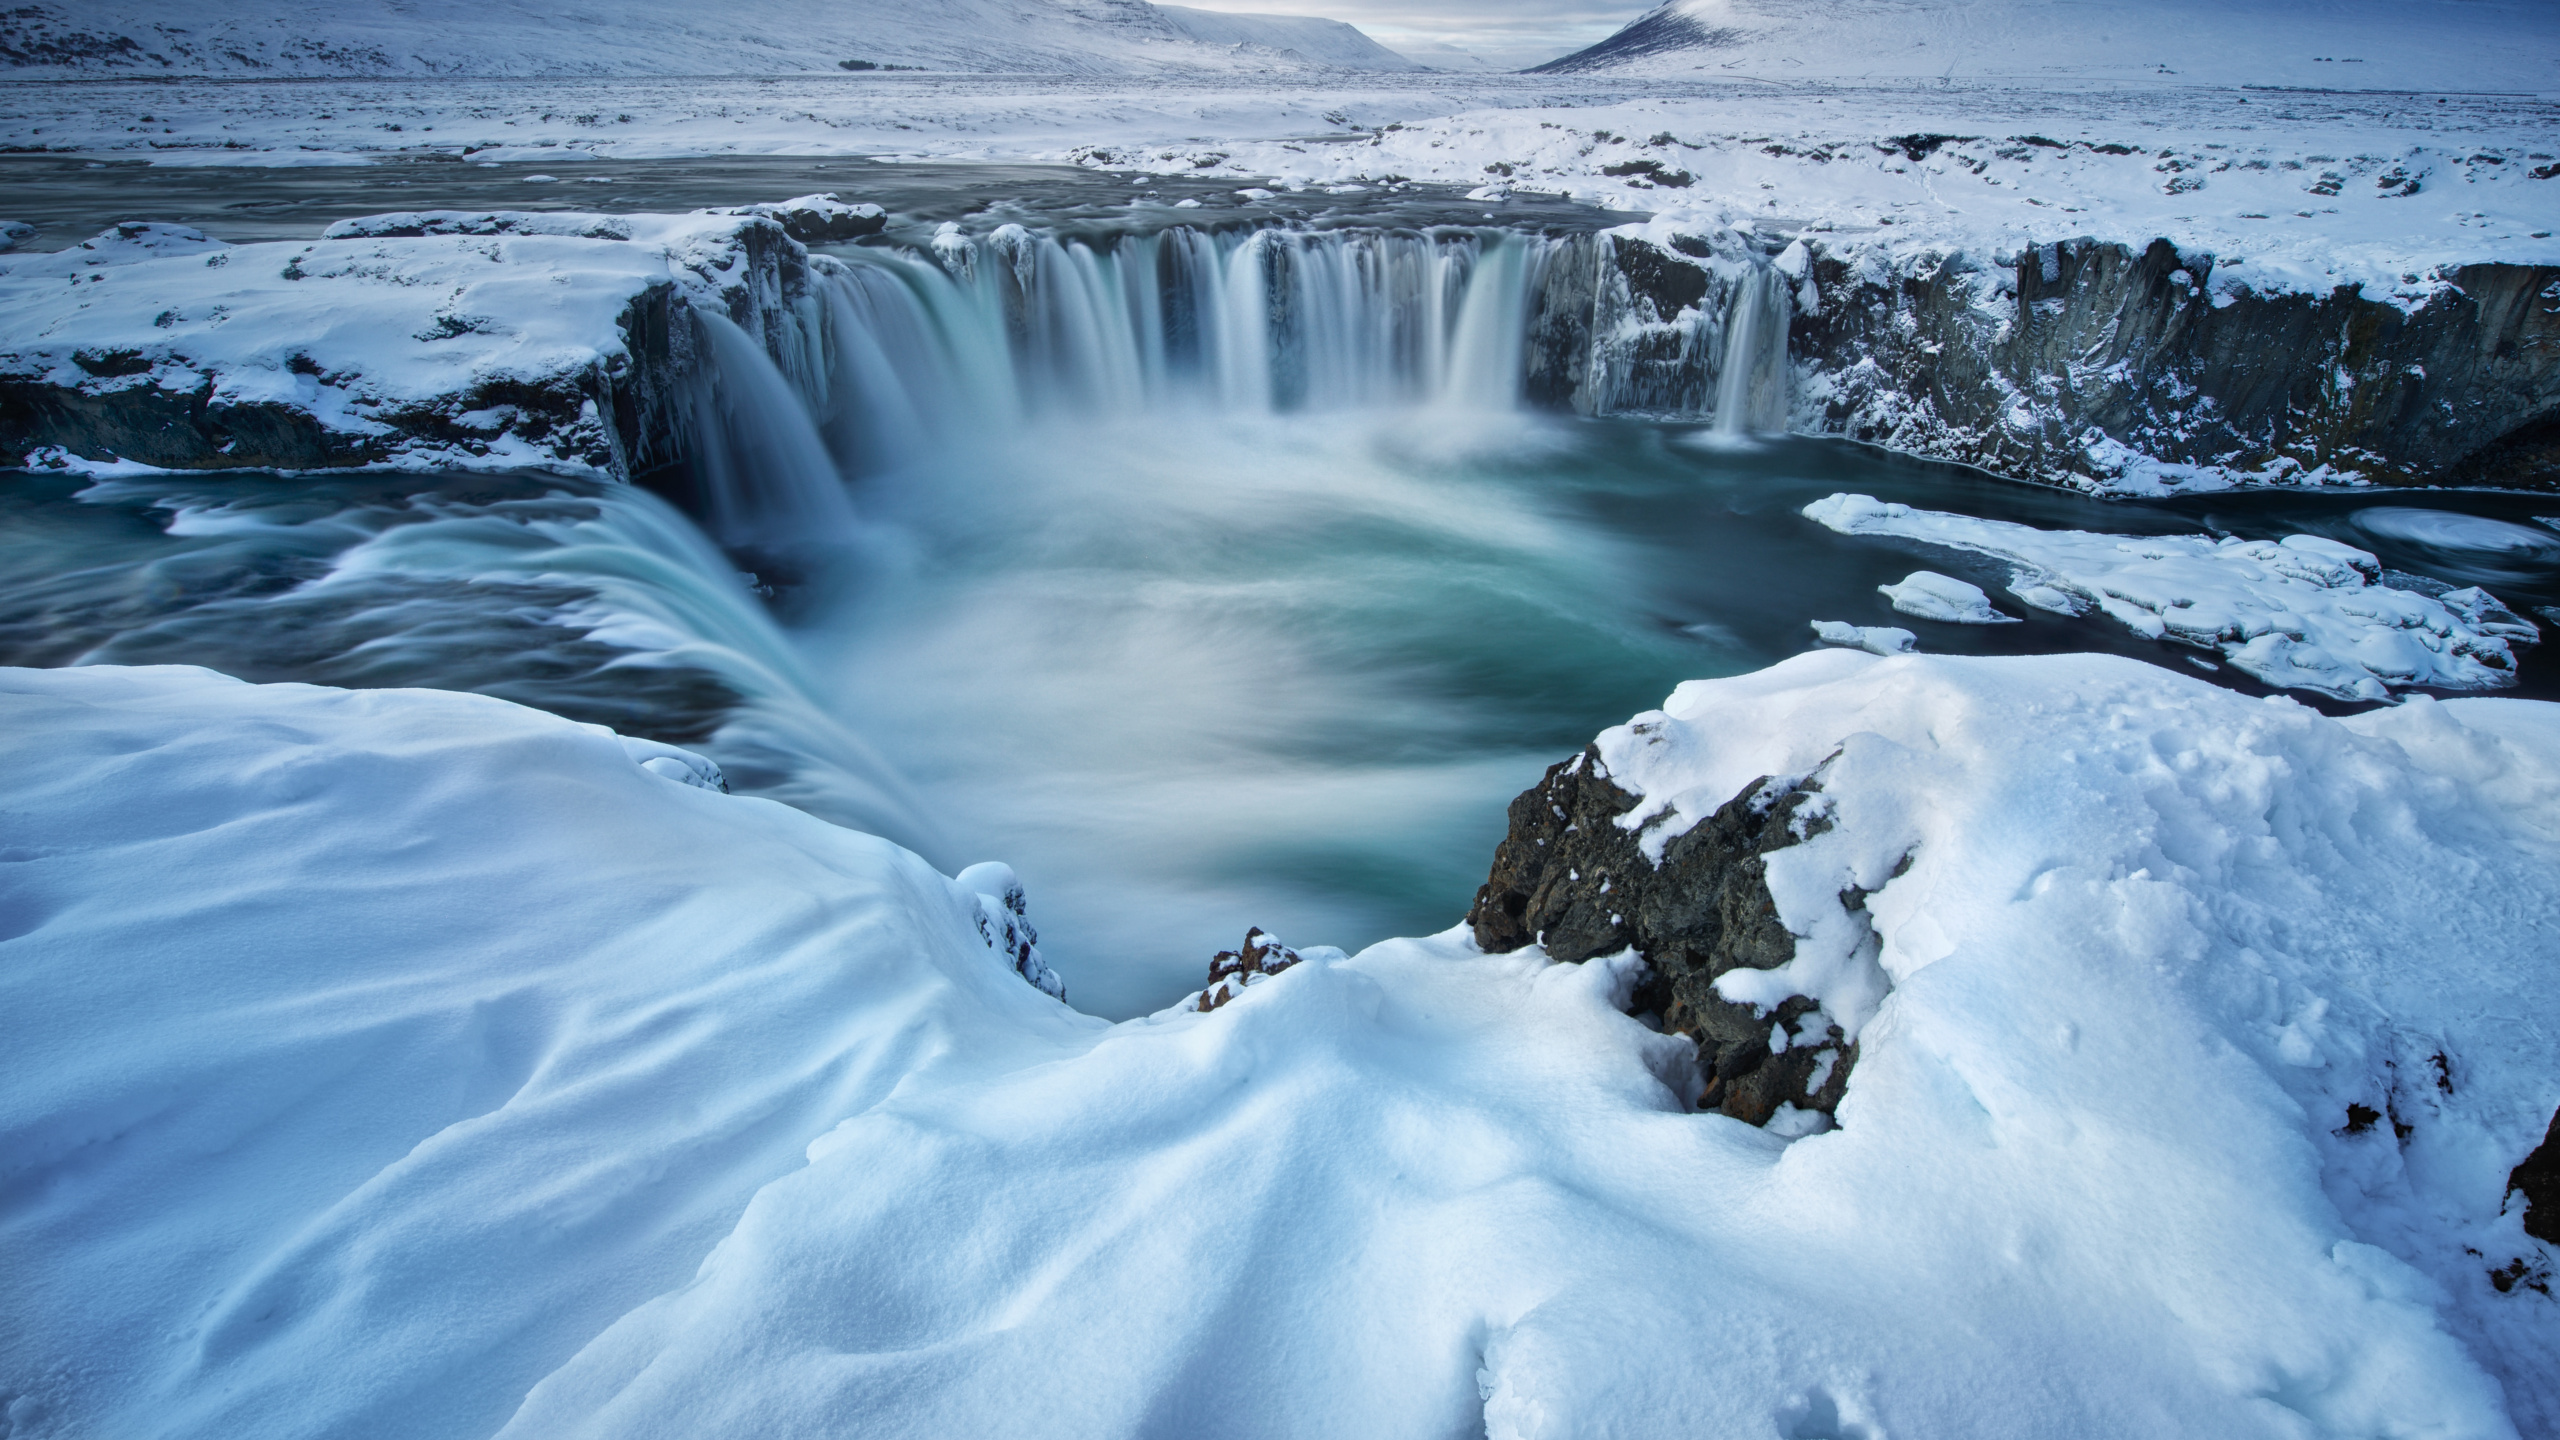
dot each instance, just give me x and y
(1509, 32)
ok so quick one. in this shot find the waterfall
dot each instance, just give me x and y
(1751, 383)
(767, 477)
(895, 353)
(990, 331)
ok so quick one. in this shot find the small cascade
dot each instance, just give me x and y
(767, 477)
(1751, 381)
(1486, 351)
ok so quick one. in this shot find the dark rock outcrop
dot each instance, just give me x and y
(2538, 1180)
(2078, 359)
(1568, 875)
(1230, 971)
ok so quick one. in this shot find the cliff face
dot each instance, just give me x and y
(2082, 363)
(373, 346)
(2087, 364)
(1568, 876)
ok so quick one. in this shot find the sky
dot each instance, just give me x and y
(1509, 33)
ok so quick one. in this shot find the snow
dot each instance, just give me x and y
(305, 38)
(2290, 197)
(406, 1063)
(2304, 613)
(385, 315)
(1933, 596)
(1874, 639)
(2407, 45)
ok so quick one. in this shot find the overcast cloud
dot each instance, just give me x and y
(1511, 33)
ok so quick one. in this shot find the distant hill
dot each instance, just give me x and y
(300, 38)
(2450, 45)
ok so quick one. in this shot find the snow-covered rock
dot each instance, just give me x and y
(1874, 639)
(411, 1064)
(1933, 596)
(444, 337)
(2305, 613)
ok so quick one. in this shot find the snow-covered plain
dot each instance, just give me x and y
(2406, 45)
(267, 39)
(404, 1063)
(2286, 189)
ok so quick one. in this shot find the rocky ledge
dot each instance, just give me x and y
(441, 338)
(2104, 366)
(1571, 877)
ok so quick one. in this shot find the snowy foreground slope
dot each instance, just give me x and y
(405, 1063)
(2471, 45)
(271, 38)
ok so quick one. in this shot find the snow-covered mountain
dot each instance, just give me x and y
(2455, 45)
(289, 38)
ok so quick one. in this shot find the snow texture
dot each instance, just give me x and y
(1933, 596)
(403, 1063)
(1874, 639)
(2409, 45)
(396, 313)
(271, 38)
(2305, 613)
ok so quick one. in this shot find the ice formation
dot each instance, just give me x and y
(2305, 613)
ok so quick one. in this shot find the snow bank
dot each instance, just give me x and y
(367, 1051)
(2304, 614)
(373, 1059)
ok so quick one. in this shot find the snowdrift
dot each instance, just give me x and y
(406, 1063)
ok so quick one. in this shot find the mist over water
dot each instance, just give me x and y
(1211, 580)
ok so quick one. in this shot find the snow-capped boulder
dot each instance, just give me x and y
(1574, 878)
(820, 219)
(1933, 596)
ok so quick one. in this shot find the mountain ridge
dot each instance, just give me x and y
(300, 39)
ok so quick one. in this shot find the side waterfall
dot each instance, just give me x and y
(1751, 384)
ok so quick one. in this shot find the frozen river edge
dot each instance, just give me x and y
(2110, 366)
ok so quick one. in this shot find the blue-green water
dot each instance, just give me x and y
(1186, 673)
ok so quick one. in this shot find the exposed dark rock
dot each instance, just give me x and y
(1656, 32)
(1230, 971)
(1569, 876)
(2538, 1180)
(2081, 357)
(2021, 368)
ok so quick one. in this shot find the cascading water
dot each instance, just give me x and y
(767, 478)
(899, 353)
(1751, 382)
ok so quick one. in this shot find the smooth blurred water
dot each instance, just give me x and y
(1187, 671)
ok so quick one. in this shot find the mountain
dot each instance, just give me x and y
(303, 38)
(2449, 45)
